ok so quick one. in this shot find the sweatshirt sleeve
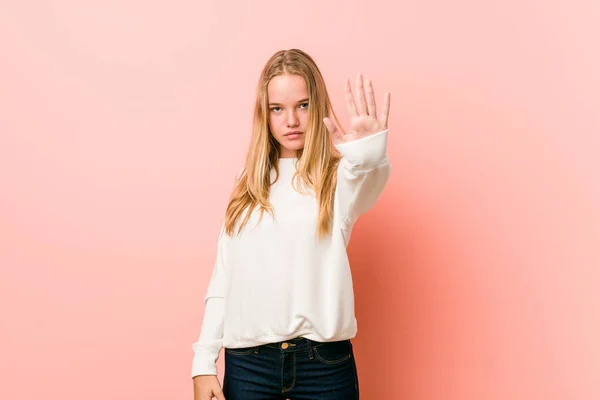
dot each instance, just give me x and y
(362, 175)
(210, 342)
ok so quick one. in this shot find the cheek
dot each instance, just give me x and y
(304, 118)
(275, 123)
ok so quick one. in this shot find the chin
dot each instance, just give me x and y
(292, 145)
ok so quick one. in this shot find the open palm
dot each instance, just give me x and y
(363, 113)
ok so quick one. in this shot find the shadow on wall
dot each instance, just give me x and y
(401, 264)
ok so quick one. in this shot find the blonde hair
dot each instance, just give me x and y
(317, 161)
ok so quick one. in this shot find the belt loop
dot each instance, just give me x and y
(310, 349)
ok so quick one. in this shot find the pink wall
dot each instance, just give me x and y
(123, 123)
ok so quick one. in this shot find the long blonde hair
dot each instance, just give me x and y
(317, 161)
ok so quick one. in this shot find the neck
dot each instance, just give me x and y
(285, 153)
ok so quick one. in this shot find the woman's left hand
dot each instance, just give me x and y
(363, 113)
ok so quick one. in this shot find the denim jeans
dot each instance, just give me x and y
(297, 369)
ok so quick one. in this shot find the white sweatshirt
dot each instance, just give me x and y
(275, 280)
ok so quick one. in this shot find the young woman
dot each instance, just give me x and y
(280, 300)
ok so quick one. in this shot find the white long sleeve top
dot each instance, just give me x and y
(276, 280)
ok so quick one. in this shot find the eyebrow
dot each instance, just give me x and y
(278, 104)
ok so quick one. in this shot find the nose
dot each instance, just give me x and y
(292, 119)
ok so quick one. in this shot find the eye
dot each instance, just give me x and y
(305, 106)
(275, 109)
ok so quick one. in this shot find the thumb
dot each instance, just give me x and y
(220, 396)
(333, 131)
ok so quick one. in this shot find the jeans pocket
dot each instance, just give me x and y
(333, 352)
(244, 351)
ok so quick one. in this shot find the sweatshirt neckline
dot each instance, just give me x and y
(288, 161)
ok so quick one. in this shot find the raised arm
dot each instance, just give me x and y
(365, 168)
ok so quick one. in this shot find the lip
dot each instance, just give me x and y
(293, 134)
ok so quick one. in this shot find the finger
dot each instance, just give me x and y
(333, 131)
(350, 99)
(371, 107)
(219, 395)
(361, 104)
(385, 112)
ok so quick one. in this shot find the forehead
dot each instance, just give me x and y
(287, 89)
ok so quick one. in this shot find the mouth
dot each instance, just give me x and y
(293, 135)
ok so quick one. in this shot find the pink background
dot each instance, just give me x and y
(123, 124)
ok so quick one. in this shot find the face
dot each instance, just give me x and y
(288, 112)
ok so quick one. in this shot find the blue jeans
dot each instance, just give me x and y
(297, 369)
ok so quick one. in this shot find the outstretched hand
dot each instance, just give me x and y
(363, 113)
